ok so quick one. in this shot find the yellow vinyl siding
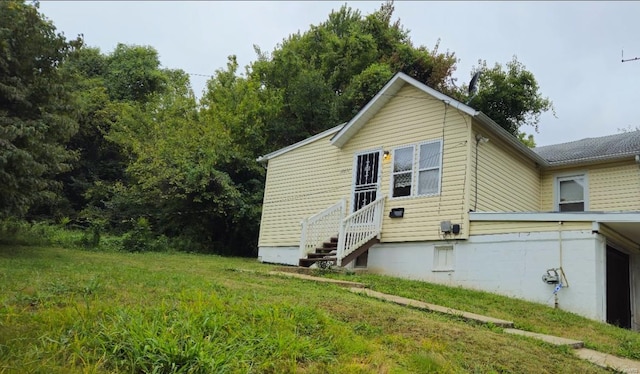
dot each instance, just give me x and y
(410, 118)
(506, 181)
(612, 186)
(292, 192)
(510, 227)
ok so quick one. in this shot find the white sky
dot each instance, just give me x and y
(572, 48)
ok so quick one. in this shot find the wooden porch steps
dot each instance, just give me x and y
(328, 252)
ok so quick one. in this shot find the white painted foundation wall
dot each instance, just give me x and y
(279, 255)
(506, 264)
(510, 265)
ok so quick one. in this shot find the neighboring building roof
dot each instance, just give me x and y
(592, 149)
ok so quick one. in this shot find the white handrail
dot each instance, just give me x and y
(321, 226)
(360, 227)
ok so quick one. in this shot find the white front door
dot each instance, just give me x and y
(366, 179)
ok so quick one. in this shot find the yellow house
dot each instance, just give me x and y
(421, 186)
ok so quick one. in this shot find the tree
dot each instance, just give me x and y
(133, 73)
(510, 96)
(35, 119)
(328, 73)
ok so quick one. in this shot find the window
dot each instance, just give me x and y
(416, 170)
(571, 193)
(443, 258)
(402, 171)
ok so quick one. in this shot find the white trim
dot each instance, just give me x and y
(557, 216)
(415, 170)
(441, 155)
(560, 177)
(299, 144)
(392, 173)
(449, 261)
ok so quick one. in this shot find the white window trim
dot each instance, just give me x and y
(437, 251)
(393, 173)
(570, 176)
(415, 170)
(439, 167)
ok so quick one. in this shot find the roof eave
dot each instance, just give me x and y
(594, 160)
(510, 139)
(299, 144)
(555, 216)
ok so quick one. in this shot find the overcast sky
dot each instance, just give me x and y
(572, 48)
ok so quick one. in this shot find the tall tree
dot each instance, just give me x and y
(329, 72)
(35, 119)
(511, 97)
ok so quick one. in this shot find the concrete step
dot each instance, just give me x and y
(434, 308)
(555, 340)
(306, 262)
(622, 365)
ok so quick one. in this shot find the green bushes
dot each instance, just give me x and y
(140, 236)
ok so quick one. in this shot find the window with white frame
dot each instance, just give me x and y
(571, 193)
(416, 169)
(443, 259)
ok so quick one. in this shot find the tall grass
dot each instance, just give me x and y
(72, 311)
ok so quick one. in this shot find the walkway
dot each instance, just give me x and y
(604, 360)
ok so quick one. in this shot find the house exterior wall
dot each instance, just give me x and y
(510, 264)
(410, 118)
(507, 182)
(300, 183)
(498, 227)
(613, 186)
(279, 255)
(306, 180)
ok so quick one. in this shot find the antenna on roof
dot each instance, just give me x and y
(473, 87)
(630, 59)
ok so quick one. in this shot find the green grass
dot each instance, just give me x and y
(78, 311)
(525, 315)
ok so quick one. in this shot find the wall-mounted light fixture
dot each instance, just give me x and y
(481, 139)
(396, 213)
(386, 155)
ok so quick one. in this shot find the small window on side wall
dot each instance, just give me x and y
(571, 192)
(443, 259)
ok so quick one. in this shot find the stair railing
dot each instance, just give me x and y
(359, 227)
(321, 226)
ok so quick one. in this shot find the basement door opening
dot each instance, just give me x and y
(618, 289)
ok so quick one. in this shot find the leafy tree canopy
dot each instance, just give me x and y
(328, 73)
(35, 119)
(510, 95)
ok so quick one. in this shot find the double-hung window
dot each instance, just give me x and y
(572, 193)
(417, 169)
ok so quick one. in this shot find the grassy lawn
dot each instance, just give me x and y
(74, 311)
(525, 315)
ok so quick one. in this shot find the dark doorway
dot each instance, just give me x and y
(361, 261)
(618, 289)
(366, 181)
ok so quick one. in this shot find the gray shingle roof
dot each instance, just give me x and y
(605, 147)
